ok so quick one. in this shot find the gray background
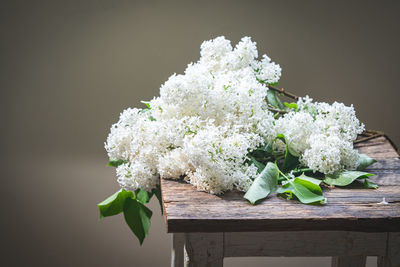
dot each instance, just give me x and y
(67, 69)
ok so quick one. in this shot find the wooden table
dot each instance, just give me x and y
(354, 223)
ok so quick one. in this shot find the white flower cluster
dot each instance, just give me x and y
(207, 120)
(322, 135)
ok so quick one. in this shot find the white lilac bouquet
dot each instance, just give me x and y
(222, 126)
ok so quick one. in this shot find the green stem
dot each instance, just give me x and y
(283, 91)
(277, 110)
(283, 174)
(302, 170)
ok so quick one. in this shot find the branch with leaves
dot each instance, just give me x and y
(289, 179)
(132, 205)
(279, 173)
(283, 173)
(212, 123)
(276, 106)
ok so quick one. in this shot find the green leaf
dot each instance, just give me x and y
(264, 185)
(310, 183)
(274, 100)
(114, 204)
(283, 138)
(369, 184)
(262, 152)
(290, 162)
(268, 149)
(259, 165)
(147, 103)
(116, 162)
(345, 177)
(157, 192)
(137, 216)
(364, 161)
(292, 105)
(143, 196)
(273, 84)
(291, 159)
(301, 190)
(257, 153)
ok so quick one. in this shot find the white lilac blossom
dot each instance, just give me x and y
(322, 135)
(206, 121)
(268, 72)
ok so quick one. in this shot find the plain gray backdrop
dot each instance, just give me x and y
(68, 68)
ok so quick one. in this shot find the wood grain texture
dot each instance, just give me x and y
(349, 261)
(178, 242)
(204, 249)
(189, 210)
(304, 244)
(392, 256)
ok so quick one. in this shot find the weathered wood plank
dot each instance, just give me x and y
(378, 148)
(392, 256)
(349, 261)
(176, 225)
(182, 192)
(188, 210)
(387, 171)
(178, 242)
(204, 249)
(304, 244)
(358, 208)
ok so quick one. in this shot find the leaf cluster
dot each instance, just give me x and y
(275, 102)
(285, 175)
(132, 205)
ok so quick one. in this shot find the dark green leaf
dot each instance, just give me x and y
(157, 193)
(116, 162)
(274, 100)
(257, 153)
(265, 184)
(299, 189)
(114, 204)
(364, 161)
(143, 196)
(310, 183)
(259, 165)
(345, 177)
(304, 188)
(137, 216)
(291, 160)
(268, 149)
(369, 184)
(264, 150)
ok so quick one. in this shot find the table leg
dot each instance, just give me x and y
(178, 241)
(349, 261)
(204, 249)
(392, 257)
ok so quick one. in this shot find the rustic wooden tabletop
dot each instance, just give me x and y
(189, 210)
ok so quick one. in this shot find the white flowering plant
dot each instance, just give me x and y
(222, 126)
